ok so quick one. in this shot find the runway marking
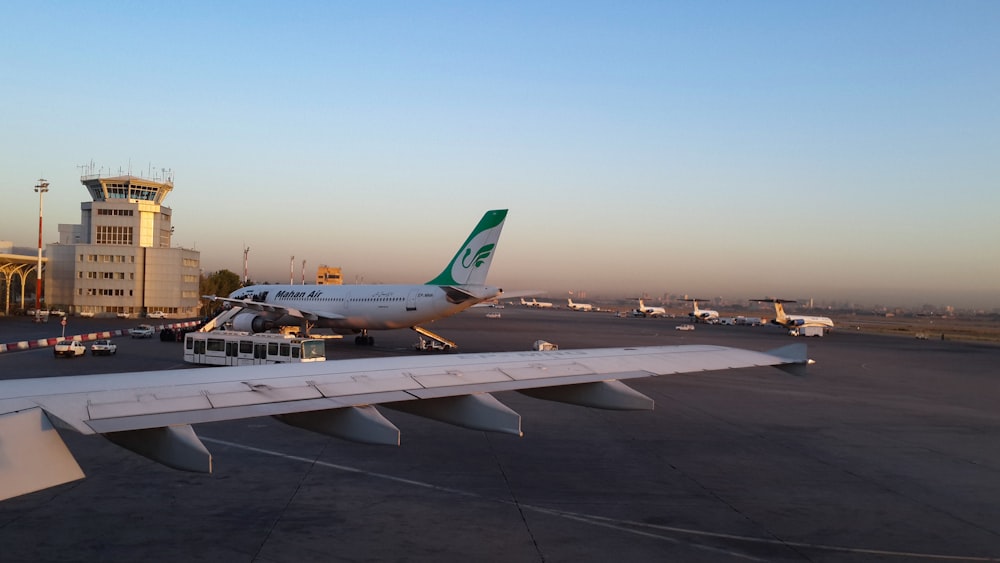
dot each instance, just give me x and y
(613, 523)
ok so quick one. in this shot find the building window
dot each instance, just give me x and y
(108, 234)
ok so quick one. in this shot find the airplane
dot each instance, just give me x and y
(151, 413)
(356, 309)
(536, 304)
(794, 321)
(702, 315)
(579, 306)
(647, 311)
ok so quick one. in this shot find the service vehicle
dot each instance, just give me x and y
(424, 345)
(684, 327)
(69, 348)
(122, 315)
(807, 331)
(103, 348)
(86, 314)
(544, 345)
(237, 348)
(156, 315)
(141, 331)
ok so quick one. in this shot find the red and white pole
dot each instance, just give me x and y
(41, 188)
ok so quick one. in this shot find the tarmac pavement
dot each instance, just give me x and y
(886, 451)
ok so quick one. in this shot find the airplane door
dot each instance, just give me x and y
(411, 300)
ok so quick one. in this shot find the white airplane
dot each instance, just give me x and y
(536, 304)
(702, 315)
(356, 309)
(579, 306)
(794, 321)
(151, 413)
(649, 311)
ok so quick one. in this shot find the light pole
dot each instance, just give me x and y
(41, 188)
(246, 253)
(291, 270)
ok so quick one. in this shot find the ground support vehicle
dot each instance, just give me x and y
(69, 348)
(103, 348)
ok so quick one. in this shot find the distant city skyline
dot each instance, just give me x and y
(843, 152)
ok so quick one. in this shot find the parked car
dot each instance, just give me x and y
(684, 327)
(121, 315)
(141, 331)
(156, 315)
(103, 348)
(69, 348)
(86, 314)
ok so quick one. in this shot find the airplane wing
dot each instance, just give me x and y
(151, 412)
(275, 309)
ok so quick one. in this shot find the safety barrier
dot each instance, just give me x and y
(46, 342)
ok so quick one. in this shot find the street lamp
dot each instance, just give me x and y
(41, 188)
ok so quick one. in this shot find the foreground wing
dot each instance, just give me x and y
(151, 412)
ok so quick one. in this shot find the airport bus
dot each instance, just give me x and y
(234, 348)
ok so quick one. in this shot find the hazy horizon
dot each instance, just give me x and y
(842, 152)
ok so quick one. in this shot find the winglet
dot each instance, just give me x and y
(797, 357)
(472, 261)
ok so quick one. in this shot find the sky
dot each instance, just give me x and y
(837, 151)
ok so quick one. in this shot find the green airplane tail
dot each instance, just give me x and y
(472, 261)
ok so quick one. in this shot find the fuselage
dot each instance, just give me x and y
(357, 307)
(803, 320)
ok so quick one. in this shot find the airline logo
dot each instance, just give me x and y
(479, 258)
(472, 262)
(469, 261)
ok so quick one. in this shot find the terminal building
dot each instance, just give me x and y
(119, 259)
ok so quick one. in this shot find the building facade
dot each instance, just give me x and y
(119, 259)
(328, 275)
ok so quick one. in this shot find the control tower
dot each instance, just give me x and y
(119, 259)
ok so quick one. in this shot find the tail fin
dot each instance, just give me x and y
(472, 261)
(779, 310)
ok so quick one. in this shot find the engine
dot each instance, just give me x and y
(252, 322)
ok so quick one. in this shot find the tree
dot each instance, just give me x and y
(220, 283)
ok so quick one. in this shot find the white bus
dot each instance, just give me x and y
(232, 348)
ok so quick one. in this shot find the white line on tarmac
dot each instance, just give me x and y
(615, 524)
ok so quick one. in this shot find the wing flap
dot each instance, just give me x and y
(199, 416)
(32, 454)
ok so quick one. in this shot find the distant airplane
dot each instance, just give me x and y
(648, 311)
(702, 315)
(794, 321)
(579, 306)
(536, 304)
(152, 413)
(356, 309)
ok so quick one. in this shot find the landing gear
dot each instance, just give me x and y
(364, 340)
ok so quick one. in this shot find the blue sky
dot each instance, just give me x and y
(844, 151)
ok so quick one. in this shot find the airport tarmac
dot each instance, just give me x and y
(887, 451)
